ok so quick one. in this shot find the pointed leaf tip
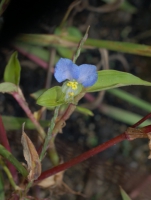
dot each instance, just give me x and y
(124, 194)
(12, 70)
(108, 79)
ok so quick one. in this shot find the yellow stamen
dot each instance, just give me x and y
(72, 84)
(69, 84)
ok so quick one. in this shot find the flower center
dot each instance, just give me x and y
(72, 84)
(71, 89)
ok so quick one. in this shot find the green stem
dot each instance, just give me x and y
(49, 135)
(52, 151)
(81, 43)
(9, 175)
(6, 154)
(27, 188)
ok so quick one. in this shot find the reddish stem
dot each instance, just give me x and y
(5, 143)
(28, 112)
(94, 151)
(32, 57)
(146, 129)
(90, 98)
(82, 157)
(142, 120)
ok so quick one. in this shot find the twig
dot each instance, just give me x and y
(122, 59)
(82, 157)
(50, 67)
(72, 5)
(104, 59)
(49, 76)
(142, 120)
(129, 134)
(105, 8)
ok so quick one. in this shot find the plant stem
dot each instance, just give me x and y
(21, 101)
(5, 143)
(12, 182)
(80, 45)
(6, 154)
(2, 193)
(129, 134)
(49, 134)
(142, 120)
(82, 157)
(27, 188)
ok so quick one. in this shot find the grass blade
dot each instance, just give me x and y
(131, 99)
(70, 41)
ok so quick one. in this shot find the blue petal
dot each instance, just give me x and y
(88, 75)
(66, 69)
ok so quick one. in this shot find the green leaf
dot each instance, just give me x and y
(65, 52)
(72, 31)
(84, 111)
(108, 79)
(124, 194)
(15, 123)
(7, 87)
(52, 97)
(12, 70)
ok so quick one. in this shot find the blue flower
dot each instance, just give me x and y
(77, 77)
(66, 70)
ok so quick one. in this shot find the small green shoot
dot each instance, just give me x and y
(12, 70)
(124, 194)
